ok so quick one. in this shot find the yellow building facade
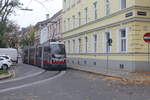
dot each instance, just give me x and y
(107, 34)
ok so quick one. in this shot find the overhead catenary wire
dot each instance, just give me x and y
(42, 5)
(26, 7)
(29, 3)
(48, 0)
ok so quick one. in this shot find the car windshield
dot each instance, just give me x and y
(1, 59)
(5, 57)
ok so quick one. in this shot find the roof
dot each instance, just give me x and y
(44, 22)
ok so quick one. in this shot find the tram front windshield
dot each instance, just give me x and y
(58, 49)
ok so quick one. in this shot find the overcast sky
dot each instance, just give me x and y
(26, 18)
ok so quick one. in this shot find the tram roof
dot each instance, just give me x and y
(40, 45)
(52, 43)
(56, 43)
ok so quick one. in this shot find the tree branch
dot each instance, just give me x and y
(7, 13)
(4, 6)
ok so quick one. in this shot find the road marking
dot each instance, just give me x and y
(31, 84)
(21, 78)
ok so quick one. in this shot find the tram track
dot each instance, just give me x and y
(17, 84)
(21, 78)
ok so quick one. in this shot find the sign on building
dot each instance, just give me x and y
(43, 35)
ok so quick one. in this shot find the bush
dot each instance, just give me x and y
(3, 72)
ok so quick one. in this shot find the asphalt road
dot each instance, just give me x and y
(70, 85)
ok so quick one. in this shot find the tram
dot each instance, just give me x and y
(49, 56)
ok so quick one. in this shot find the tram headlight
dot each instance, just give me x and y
(58, 56)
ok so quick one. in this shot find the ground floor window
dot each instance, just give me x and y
(107, 42)
(69, 46)
(123, 40)
(80, 46)
(91, 43)
(74, 45)
(86, 44)
(95, 43)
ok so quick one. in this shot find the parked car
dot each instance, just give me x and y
(7, 58)
(5, 64)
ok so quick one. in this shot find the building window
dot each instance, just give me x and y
(86, 15)
(95, 43)
(107, 7)
(74, 45)
(69, 3)
(80, 46)
(65, 43)
(79, 18)
(68, 46)
(86, 44)
(59, 23)
(65, 5)
(78, 1)
(123, 40)
(122, 4)
(56, 28)
(73, 18)
(73, 2)
(65, 1)
(107, 42)
(95, 10)
(68, 23)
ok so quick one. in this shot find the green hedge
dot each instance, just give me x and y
(3, 72)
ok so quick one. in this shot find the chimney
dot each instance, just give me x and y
(47, 16)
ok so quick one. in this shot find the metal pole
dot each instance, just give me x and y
(107, 61)
(107, 54)
(148, 52)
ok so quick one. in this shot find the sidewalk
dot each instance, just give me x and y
(126, 77)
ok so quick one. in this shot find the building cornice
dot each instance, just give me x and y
(110, 54)
(110, 16)
(109, 25)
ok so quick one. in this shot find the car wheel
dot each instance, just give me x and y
(4, 67)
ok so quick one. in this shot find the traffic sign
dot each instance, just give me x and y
(147, 37)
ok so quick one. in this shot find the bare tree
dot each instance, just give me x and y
(7, 7)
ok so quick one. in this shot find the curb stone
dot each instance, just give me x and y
(11, 73)
(123, 76)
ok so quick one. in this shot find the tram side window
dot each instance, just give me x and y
(32, 53)
(26, 53)
(47, 53)
(39, 54)
(47, 49)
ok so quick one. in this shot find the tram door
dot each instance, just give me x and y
(46, 56)
(26, 56)
(39, 57)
